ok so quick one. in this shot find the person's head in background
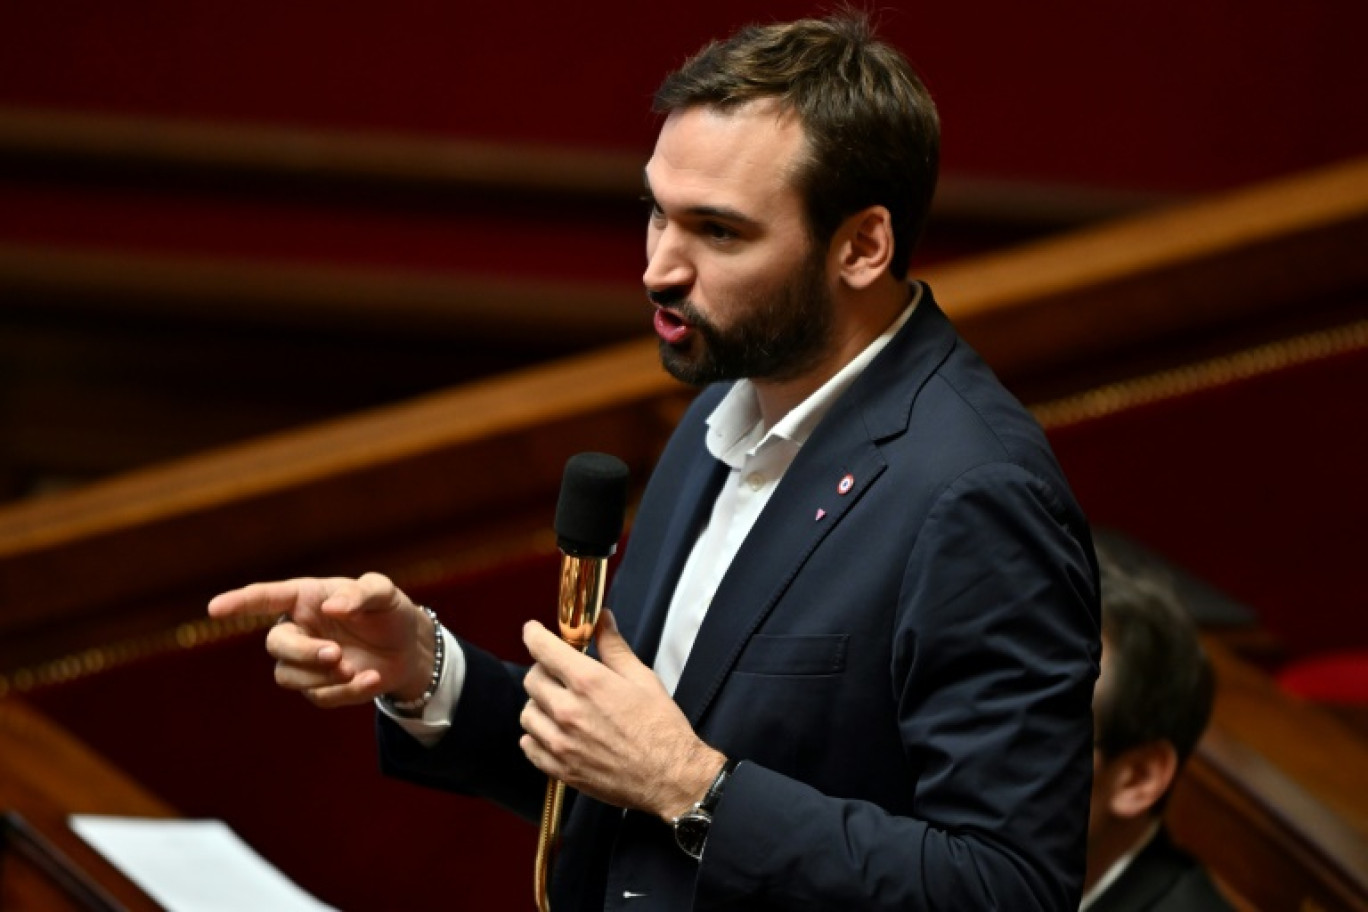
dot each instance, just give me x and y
(1152, 702)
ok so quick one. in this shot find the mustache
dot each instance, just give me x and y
(678, 301)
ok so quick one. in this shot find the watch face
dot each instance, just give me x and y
(691, 832)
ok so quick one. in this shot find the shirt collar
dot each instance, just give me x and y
(1118, 868)
(735, 429)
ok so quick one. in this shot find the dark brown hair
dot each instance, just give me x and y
(1160, 684)
(872, 132)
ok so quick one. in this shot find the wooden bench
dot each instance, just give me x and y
(1275, 799)
(46, 775)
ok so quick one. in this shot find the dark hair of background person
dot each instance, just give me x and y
(1160, 684)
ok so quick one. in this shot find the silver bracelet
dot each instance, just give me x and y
(414, 707)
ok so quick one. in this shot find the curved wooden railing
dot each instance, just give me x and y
(1085, 299)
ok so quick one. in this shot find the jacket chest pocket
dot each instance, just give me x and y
(797, 655)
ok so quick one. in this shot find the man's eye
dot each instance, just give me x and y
(653, 207)
(718, 231)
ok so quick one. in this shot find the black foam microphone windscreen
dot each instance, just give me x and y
(592, 505)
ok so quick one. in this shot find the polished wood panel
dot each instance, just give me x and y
(483, 449)
(1257, 255)
(45, 776)
(1275, 799)
(514, 313)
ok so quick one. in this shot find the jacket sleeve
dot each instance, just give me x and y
(480, 754)
(994, 657)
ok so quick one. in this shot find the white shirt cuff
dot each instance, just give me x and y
(435, 721)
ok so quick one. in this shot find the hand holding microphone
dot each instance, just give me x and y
(609, 729)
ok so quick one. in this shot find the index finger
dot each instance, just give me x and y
(555, 655)
(260, 599)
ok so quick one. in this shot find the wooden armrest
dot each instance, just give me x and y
(1275, 799)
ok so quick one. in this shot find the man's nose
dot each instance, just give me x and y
(667, 268)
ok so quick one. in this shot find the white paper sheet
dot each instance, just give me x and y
(193, 865)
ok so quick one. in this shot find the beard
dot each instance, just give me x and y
(780, 336)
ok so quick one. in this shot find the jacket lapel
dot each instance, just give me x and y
(783, 538)
(846, 442)
(697, 491)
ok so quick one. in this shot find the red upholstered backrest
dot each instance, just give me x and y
(1339, 677)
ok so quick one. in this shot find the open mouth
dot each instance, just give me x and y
(671, 327)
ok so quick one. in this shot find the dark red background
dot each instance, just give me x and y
(1169, 94)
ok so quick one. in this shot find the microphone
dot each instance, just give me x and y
(589, 518)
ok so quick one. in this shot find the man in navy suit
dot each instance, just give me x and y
(854, 635)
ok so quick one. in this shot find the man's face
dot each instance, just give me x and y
(739, 290)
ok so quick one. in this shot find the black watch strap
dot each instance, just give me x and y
(691, 827)
(714, 793)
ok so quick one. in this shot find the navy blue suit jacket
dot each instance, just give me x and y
(907, 679)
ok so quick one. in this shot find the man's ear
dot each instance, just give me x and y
(863, 246)
(1142, 775)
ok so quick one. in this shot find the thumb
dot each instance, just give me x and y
(613, 650)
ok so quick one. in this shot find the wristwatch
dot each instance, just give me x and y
(691, 827)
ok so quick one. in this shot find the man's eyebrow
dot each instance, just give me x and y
(724, 213)
(721, 213)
